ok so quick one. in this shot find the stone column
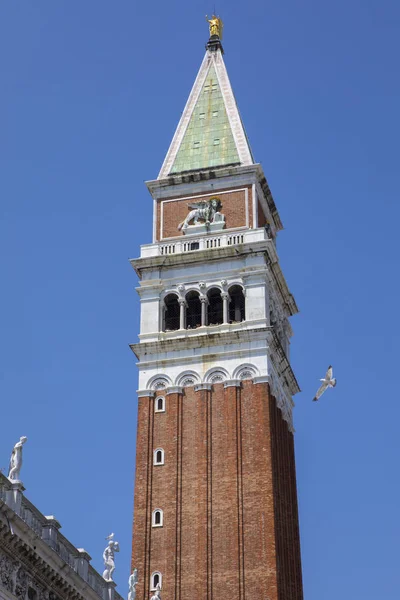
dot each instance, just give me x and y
(204, 303)
(225, 301)
(182, 314)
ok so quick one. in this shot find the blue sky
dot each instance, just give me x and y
(91, 94)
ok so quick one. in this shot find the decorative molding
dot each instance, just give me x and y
(145, 393)
(203, 386)
(188, 381)
(232, 383)
(245, 371)
(159, 382)
(174, 389)
(216, 375)
(261, 379)
(187, 378)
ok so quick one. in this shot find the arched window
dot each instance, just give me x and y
(236, 304)
(193, 310)
(158, 457)
(155, 580)
(159, 404)
(158, 518)
(171, 313)
(215, 307)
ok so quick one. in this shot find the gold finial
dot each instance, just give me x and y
(216, 26)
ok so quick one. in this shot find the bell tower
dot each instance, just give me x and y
(215, 510)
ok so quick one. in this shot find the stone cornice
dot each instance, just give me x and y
(40, 561)
(203, 386)
(232, 383)
(174, 389)
(51, 560)
(170, 186)
(199, 256)
(145, 350)
(145, 393)
(261, 379)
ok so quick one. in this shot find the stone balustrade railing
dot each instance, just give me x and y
(190, 243)
(47, 528)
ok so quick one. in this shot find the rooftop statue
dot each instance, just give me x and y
(216, 26)
(16, 460)
(108, 557)
(157, 593)
(133, 581)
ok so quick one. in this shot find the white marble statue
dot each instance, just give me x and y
(157, 593)
(133, 581)
(16, 460)
(108, 557)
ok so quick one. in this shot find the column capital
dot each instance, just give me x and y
(262, 379)
(146, 393)
(232, 383)
(174, 389)
(202, 386)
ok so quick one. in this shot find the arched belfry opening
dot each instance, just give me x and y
(215, 311)
(193, 310)
(237, 304)
(171, 313)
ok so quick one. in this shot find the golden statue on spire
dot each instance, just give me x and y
(216, 26)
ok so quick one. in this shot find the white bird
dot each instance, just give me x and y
(328, 381)
(110, 537)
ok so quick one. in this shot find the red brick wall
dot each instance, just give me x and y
(260, 216)
(233, 207)
(228, 491)
(141, 525)
(286, 511)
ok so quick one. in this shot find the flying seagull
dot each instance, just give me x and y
(110, 537)
(328, 381)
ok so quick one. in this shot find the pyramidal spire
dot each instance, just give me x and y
(210, 132)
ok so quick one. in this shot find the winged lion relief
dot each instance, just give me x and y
(206, 211)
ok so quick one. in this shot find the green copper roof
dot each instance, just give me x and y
(208, 140)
